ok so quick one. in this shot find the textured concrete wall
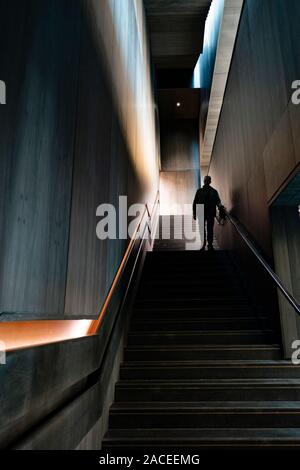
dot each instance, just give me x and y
(257, 144)
(286, 243)
(57, 396)
(78, 130)
(39, 59)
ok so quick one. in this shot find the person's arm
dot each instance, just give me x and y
(221, 208)
(218, 200)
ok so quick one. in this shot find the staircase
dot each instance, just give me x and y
(202, 369)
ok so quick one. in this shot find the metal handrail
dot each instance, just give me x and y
(95, 325)
(247, 239)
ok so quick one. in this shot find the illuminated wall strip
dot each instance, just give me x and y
(24, 334)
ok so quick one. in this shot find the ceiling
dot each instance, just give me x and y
(176, 31)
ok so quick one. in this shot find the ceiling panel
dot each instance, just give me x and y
(157, 7)
(177, 30)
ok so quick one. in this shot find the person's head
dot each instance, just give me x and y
(207, 180)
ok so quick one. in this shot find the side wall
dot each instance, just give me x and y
(286, 243)
(180, 172)
(257, 145)
(78, 130)
(39, 60)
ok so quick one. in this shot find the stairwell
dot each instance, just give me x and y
(202, 368)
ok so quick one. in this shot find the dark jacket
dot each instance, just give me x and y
(210, 198)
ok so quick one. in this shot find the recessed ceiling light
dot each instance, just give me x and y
(178, 104)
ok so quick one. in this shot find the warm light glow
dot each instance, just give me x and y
(174, 200)
(178, 105)
(123, 25)
(24, 334)
(128, 66)
(16, 335)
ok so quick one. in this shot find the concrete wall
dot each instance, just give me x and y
(286, 243)
(204, 72)
(180, 169)
(39, 60)
(257, 145)
(180, 173)
(57, 396)
(78, 130)
(179, 145)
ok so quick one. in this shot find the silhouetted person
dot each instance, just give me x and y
(209, 197)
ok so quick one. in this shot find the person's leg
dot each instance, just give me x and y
(205, 233)
(201, 225)
(210, 231)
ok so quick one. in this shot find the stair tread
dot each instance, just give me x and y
(198, 320)
(212, 406)
(208, 382)
(243, 308)
(222, 322)
(207, 364)
(205, 347)
(236, 299)
(208, 332)
(180, 325)
(217, 382)
(199, 309)
(204, 434)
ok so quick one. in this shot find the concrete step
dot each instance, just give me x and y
(204, 415)
(184, 284)
(208, 390)
(198, 338)
(199, 301)
(246, 323)
(203, 353)
(192, 313)
(201, 369)
(208, 370)
(226, 438)
(190, 256)
(183, 277)
(192, 263)
(196, 270)
(231, 294)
